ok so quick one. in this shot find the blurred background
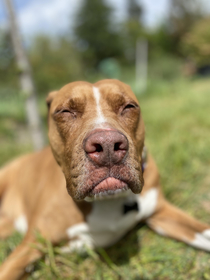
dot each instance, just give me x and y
(162, 50)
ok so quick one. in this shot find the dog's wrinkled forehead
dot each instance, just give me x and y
(103, 95)
(76, 92)
(114, 89)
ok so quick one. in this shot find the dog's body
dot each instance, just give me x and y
(104, 182)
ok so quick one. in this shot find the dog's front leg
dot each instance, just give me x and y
(173, 222)
(14, 266)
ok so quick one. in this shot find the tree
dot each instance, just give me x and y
(132, 28)
(183, 15)
(7, 61)
(26, 81)
(135, 11)
(96, 33)
(196, 43)
(61, 63)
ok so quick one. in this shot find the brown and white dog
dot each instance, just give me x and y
(96, 134)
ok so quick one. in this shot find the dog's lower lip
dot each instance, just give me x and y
(109, 184)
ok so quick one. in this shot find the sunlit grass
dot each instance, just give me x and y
(176, 116)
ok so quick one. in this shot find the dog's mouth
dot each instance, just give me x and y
(108, 188)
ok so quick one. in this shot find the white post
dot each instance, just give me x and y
(141, 65)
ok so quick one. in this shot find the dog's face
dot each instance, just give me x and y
(97, 135)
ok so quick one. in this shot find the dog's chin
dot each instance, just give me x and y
(107, 189)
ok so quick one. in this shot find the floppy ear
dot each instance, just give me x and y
(49, 100)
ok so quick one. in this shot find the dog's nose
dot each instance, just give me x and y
(106, 147)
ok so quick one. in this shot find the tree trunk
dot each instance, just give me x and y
(141, 65)
(26, 81)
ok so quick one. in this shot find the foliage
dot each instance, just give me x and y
(164, 67)
(54, 63)
(196, 43)
(96, 33)
(8, 73)
(134, 10)
(183, 15)
(132, 29)
(160, 42)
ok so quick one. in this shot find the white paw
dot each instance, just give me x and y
(77, 246)
(206, 233)
(201, 241)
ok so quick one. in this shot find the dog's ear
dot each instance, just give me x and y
(50, 98)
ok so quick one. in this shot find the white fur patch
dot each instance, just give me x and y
(21, 224)
(206, 233)
(160, 231)
(77, 229)
(107, 222)
(200, 242)
(80, 235)
(100, 117)
(75, 245)
(147, 203)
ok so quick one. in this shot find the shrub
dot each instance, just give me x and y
(196, 43)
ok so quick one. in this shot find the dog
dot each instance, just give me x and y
(97, 153)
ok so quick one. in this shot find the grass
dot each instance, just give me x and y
(176, 116)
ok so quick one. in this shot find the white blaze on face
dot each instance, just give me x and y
(100, 117)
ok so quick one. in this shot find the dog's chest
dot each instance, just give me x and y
(109, 220)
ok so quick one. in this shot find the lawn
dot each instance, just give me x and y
(176, 116)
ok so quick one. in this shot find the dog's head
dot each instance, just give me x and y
(96, 133)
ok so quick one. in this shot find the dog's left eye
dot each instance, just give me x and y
(128, 107)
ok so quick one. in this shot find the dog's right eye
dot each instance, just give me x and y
(65, 111)
(129, 106)
(62, 114)
(62, 111)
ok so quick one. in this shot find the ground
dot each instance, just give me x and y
(176, 115)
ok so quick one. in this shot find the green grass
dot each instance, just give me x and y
(176, 116)
(14, 136)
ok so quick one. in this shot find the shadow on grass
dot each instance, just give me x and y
(120, 252)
